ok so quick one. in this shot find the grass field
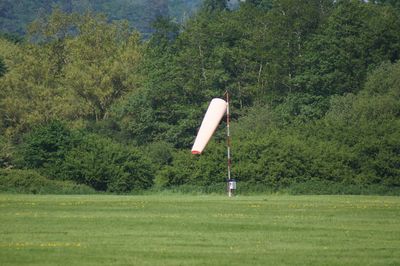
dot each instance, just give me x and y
(199, 230)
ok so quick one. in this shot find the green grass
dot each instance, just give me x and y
(199, 230)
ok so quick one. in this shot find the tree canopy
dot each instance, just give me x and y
(314, 86)
(16, 15)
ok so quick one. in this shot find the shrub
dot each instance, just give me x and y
(3, 67)
(204, 170)
(324, 187)
(160, 153)
(31, 182)
(6, 153)
(59, 153)
(107, 166)
(46, 146)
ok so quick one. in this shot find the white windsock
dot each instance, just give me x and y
(213, 116)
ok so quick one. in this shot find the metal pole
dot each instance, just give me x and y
(228, 137)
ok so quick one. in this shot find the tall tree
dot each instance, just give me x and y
(51, 32)
(160, 110)
(74, 69)
(291, 23)
(394, 3)
(214, 5)
(357, 37)
(3, 67)
(31, 93)
(102, 63)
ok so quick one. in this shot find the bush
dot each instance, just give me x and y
(160, 153)
(301, 108)
(59, 153)
(3, 67)
(46, 146)
(204, 170)
(6, 153)
(30, 182)
(324, 187)
(107, 166)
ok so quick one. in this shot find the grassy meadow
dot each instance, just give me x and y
(199, 230)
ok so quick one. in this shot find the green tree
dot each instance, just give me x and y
(368, 124)
(7, 152)
(214, 5)
(301, 108)
(31, 93)
(214, 52)
(264, 4)
(3, 67)
(102, 63)
(356, 38)
(12, 37)
(292, 23)
(51, 33)
(107, 166)
(46, 146)
(161, 109)
(205, 170)
(394, 3)
(60, 153)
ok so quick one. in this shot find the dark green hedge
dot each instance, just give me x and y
(30, 182)
(85, 158)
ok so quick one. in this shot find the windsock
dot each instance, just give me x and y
(213, 116)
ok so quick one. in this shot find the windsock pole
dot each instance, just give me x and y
(228, 139)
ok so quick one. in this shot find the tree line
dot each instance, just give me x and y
(16, 15)
(315, 97)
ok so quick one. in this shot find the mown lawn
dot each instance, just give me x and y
(199, 230)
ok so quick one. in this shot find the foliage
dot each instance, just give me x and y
(214, 5)
(215, 51)
(355, 143)
(12, 37)
(30, 92)
(60, 153)
(314, 86)
(31, 182)
(301, 108)
(46, 146)
(206, 170)
(334, 188)
(394, 3)
(7, 151)
(102, 57)
(356, 38)
(57, 76)
(107, 166)
(3, 67)
(369, 124)
(15, 16)
(160, 153)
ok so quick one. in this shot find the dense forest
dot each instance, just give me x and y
(16, 15)
(89, 100)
